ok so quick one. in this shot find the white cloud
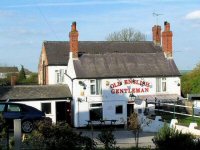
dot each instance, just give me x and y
(80, 3)
(195, 15)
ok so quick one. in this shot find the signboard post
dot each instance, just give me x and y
(17, 134)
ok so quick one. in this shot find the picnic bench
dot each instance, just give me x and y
(103, 122)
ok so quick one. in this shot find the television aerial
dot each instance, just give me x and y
(156, 15)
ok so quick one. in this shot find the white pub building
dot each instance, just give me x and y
(108, 80)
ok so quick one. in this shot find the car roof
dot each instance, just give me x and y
(11, 103)
(21, 104)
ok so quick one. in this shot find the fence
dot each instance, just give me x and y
(160, 105)
(177, 111)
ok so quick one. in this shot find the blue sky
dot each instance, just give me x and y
(25, 24)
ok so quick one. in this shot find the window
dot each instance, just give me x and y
(96, 105)
(59, 75)
(95, 87)
(119, 109)
(161, 85)
(46, 108)
(2, 106)
(96, 111)
(92, 87)
(14, 108)
(139, 111)
(164, 85)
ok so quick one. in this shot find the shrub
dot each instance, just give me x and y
(2, 127)
(3, 133)
(107, 138)
(57, 136)
(170, 138)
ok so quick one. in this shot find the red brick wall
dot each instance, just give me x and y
(73, 35)
(156, 30)
(167, 40)
(42, 68)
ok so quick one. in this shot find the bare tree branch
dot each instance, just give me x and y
(126, 34)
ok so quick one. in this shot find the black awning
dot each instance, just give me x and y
(164, 98)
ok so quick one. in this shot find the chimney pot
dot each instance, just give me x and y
(167, 26)
(73, 26)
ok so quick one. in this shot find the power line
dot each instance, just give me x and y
(46, 21)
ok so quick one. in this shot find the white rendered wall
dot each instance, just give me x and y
(110, 99)
(71, 70)
(173, 85)
(52, 73)
(37, 104)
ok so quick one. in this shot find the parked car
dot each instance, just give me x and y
(27, 114)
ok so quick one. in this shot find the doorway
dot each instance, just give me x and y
(130, 109)
(63, 112)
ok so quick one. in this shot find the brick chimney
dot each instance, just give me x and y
(73, 36)
(156, 30)
(13, 80)
(167, 40)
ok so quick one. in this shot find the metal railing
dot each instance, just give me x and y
(159, 106)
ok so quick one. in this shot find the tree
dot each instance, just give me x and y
(126, 34)
(22, 74)
(32, 79)
(190, 82)
(135, 126)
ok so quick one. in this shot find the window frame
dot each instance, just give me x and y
(47, 103)
(11, 106)
(117, 111)
(92, 87)
(97, 107)
(59, 75)
(95, 87)
(2, 108)
(161, 84)
(164, 83)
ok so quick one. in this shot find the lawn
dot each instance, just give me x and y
(182, 120)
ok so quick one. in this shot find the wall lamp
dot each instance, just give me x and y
(132, 96)
(82, 100)
(81, 83)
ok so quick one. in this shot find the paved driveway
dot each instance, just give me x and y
(124, 138)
